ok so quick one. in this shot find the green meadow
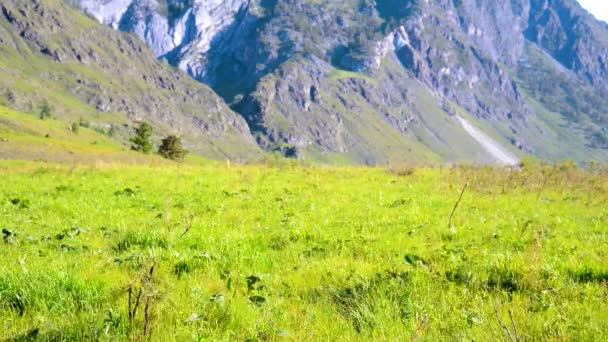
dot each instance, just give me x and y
(284, 252)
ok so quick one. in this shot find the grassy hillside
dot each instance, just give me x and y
(53, 53)
(27, 137)
(270, 253)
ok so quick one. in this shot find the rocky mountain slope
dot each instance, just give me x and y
(51, 52)
(391, 80)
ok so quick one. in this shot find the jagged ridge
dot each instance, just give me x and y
(490, 61)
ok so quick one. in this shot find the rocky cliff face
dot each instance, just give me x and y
(572, 37)
(377, 81)
(180, 31)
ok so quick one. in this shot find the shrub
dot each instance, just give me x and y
(141, 141)
(45, 110)
(171, 148)
(401, 170)
(112, 131)
(75, 127)
(84, 123)
(10, 96)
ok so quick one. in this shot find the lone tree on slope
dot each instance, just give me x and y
(45, 110)
(141, 141)
(171, 148)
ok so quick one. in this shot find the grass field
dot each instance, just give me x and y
(220, 252)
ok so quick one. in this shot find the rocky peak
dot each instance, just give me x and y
(172, 28)
(491, 59)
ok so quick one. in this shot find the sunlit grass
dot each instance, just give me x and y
(303, 253)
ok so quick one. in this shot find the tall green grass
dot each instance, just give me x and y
(290, 252)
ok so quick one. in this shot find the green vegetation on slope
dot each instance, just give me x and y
(53, 53)
(26, 137)
(266, 253)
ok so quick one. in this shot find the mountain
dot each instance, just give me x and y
(51, 52)
(388, 80)
(356, 81)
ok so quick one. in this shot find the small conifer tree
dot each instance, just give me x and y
(112, 131)
(75, 127)
(45, 110)
(171, 148)
(141, 141)
(10, 96)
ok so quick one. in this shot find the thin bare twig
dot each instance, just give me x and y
(130, 290)
(133, 306)
(188, 227)
(503, 326)
(141, 292)
(457, 203)
(421, 328)
(514, 326)
(147, 329)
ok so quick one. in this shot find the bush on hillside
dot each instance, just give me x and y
(171, 148)
(45, 110)
(142, 140)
